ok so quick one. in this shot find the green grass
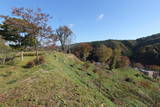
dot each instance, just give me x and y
(63, 81)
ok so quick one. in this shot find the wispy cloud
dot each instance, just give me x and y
(71, 25)
(100, 17)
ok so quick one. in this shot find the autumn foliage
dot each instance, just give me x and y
(82, 51)
(124, 61)
(104, 53)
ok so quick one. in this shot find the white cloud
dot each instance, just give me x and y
(71, 25)
(100, 17)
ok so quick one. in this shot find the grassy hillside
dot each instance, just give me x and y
(65, 81)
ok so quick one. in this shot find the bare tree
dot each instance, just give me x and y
(64, 36)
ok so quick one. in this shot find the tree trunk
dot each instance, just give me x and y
(63, 48)
(22, 56)
(113, 65)
(84, 58)
(37, 58)
(69, 49)
(4, 60)
(36, 48)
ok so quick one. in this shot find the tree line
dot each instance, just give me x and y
(143, 53)
(102, 54)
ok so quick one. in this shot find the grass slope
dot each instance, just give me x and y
(63, 81)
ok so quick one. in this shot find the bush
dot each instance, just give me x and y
(95, 70)
(41, 60)
(7, 56)
(35, 62)
(7, 60)
(30, 64)
(11, 62)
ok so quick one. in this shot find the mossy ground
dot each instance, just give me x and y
(64, 81)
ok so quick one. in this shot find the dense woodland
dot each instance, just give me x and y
(143, 51)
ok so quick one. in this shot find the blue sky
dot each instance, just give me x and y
(97, 19)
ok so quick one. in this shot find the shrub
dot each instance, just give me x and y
(11, 62)
(95, 70)
(30, 64)
(7, 55)
(8, 60)
(41, 60)
(34, 62)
